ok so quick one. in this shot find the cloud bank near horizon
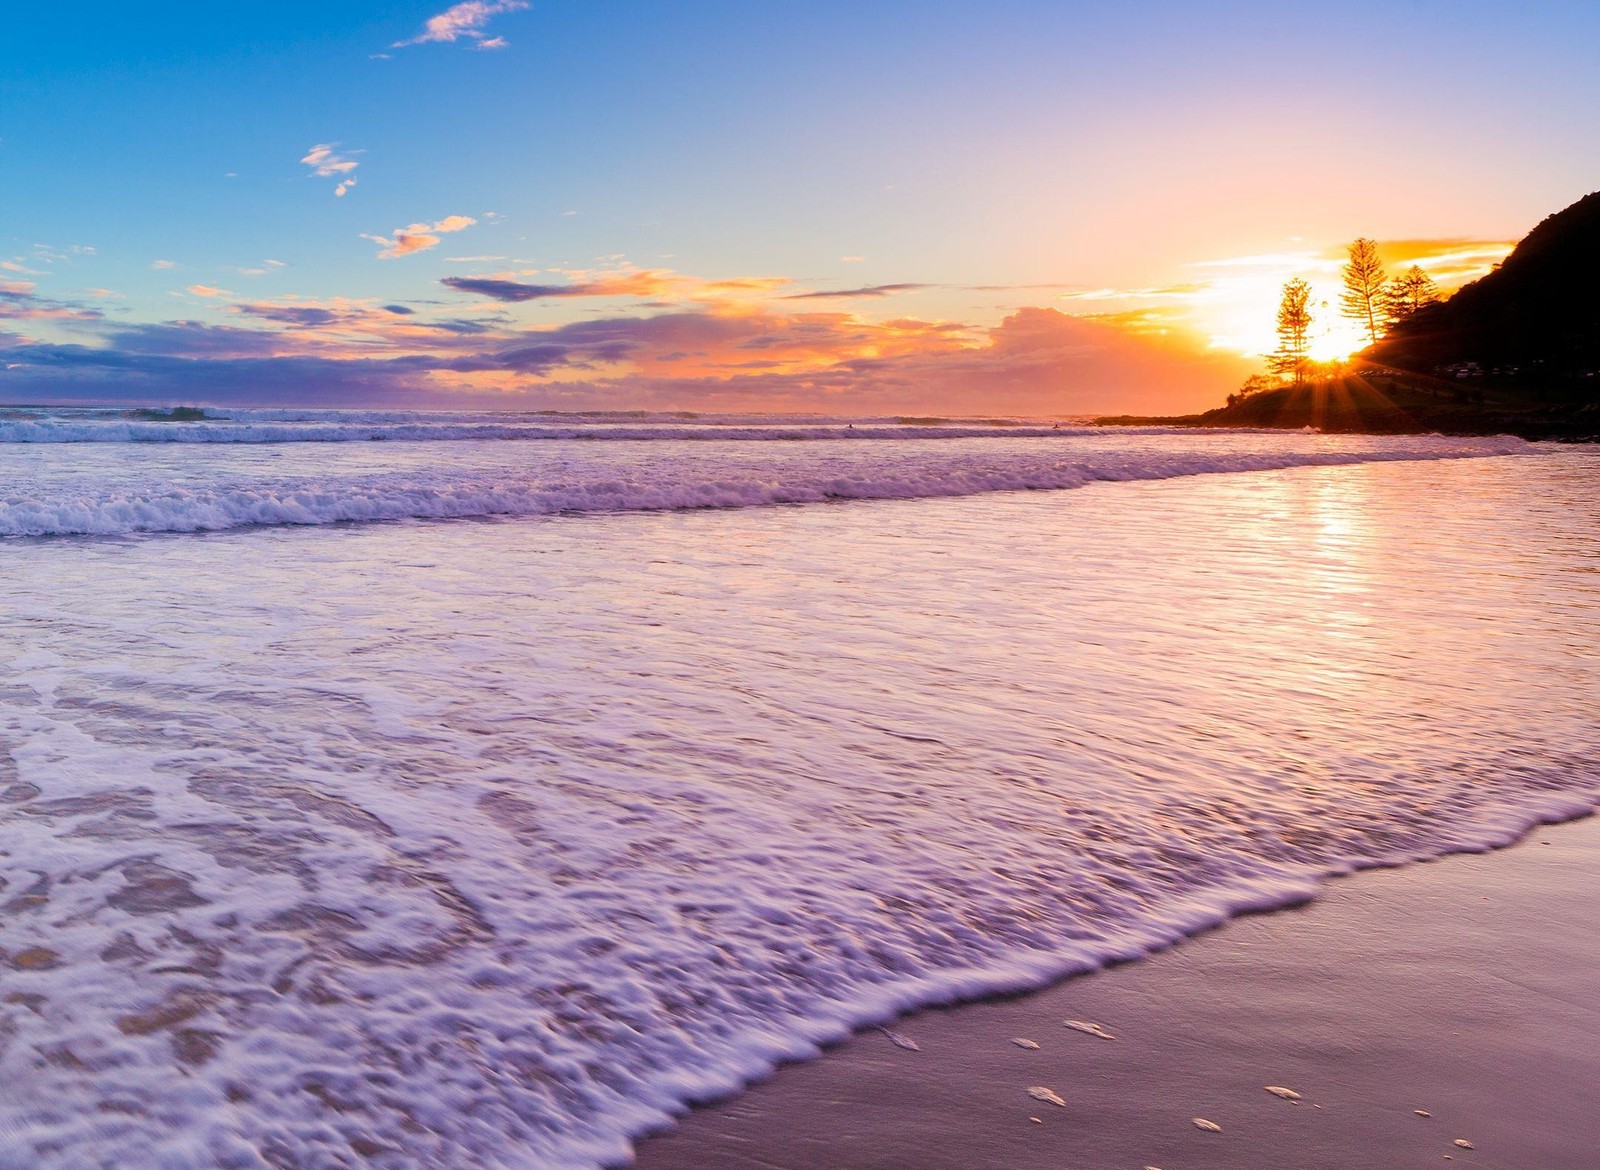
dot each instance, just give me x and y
(724, 351)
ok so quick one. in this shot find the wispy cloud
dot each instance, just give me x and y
(629, 282)
(876, 290)
(205, 290)
(326, 162)
(18, 303)
(418, 237)
(1170, 292)
(1451, 261)
(163, 265)
(465, 22)
(309, 313)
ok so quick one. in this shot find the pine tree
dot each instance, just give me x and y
(1364, 282)
(1294, 332)
(1407, 293)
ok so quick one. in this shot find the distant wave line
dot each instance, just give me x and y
(51, 431)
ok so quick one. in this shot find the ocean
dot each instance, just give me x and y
(412, 790)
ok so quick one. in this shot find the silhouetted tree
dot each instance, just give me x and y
(1293, 354)
(1412, 290)
(1364, 282)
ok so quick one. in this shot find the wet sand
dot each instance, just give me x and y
(1467, 988)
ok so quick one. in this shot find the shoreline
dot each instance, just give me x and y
(1456, 986)
(1588, 434)
(1393, 403)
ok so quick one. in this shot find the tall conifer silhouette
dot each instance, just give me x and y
(1364, 281)
(1411, 290)
(1294, 332)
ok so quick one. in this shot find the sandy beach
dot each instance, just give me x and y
(1409, 1008)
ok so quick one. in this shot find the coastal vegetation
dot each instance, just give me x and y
(1292, 358)
(1366, 299)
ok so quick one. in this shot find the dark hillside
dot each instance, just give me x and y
(1534, 322)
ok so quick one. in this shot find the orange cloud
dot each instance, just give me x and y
(1451, 262)
(419, 237)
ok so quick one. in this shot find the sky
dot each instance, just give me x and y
(1010, 207)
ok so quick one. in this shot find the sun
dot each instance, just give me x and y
(1336, 339)
(1239, 316)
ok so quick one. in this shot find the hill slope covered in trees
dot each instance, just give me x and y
(1534, 320)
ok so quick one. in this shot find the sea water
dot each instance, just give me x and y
(629, 756)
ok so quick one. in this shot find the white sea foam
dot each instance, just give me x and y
(492, 845)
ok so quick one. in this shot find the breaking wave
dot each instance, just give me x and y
(688, 476)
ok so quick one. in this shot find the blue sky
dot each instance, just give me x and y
(975, 150)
